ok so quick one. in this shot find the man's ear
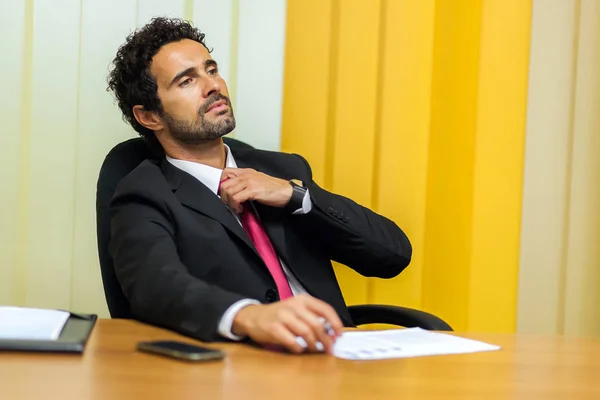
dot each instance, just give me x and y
(148, 119)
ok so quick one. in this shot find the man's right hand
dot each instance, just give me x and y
(282, 322)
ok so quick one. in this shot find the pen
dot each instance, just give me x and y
(319, 346)
(327, 327)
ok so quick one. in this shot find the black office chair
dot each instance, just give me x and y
(122, 159)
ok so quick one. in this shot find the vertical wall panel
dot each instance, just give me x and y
(582, 277)
(309, 53)
(356, 99)
(403, 147)
(216, 20)
(147, 9)
(52, 151)
(259, 90)
(560, 260)
(546, 170)
(355, 114)
(330, 100)
(312, 106)
(100, 128)
(498, 166)
(451, 157)
(12, 45)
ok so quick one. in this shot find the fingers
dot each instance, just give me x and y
(236, 173)
(236, 201)
(296, 324)
(233, 172)
(315, 324)
(234, 192)
(299, 328)
(228, 181)
(243, 196)
(265, 189)
(229, 189)
(284, 337)
(324, 310)
(233, 185)
(307, 321)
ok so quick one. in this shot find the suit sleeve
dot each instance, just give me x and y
(158, 286)
(353, 235)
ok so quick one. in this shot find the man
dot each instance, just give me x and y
(222, 244)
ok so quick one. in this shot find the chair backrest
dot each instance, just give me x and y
(119, 162)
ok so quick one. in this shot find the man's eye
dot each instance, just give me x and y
(213, 71)
(185, 82)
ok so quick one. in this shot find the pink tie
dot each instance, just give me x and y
(263, 245)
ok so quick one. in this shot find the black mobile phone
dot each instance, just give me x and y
(180, 350)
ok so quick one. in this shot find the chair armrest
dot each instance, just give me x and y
(402, 316)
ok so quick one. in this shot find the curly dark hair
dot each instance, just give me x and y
(130, 78)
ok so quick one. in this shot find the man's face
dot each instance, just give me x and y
(195, 100)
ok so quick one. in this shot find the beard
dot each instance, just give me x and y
(201, 129)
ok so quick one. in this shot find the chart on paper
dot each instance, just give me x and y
(404, 343)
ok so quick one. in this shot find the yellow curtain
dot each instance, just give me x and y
(417, 110)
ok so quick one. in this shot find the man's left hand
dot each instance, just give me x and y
(243, 184)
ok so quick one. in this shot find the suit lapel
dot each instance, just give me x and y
(198, 197)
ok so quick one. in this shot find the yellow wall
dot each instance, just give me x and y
(417, 110)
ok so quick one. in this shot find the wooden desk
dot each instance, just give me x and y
(528, 367)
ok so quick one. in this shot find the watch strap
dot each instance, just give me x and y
(298, 193)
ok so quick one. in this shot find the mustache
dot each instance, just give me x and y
(212, 100)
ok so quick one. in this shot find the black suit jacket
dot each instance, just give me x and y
(182, 259)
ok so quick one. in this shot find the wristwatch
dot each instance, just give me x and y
(299, 191)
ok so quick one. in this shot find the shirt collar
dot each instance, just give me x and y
(206, 174)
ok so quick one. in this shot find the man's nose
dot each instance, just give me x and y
(211, 87)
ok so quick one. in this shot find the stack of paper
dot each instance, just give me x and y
(31, 323)
(402, 343)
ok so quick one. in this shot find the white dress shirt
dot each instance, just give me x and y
(211, 177)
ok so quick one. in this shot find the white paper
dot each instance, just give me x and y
(403, 343)
(31, 323)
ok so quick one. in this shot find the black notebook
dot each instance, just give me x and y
(72, 338)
